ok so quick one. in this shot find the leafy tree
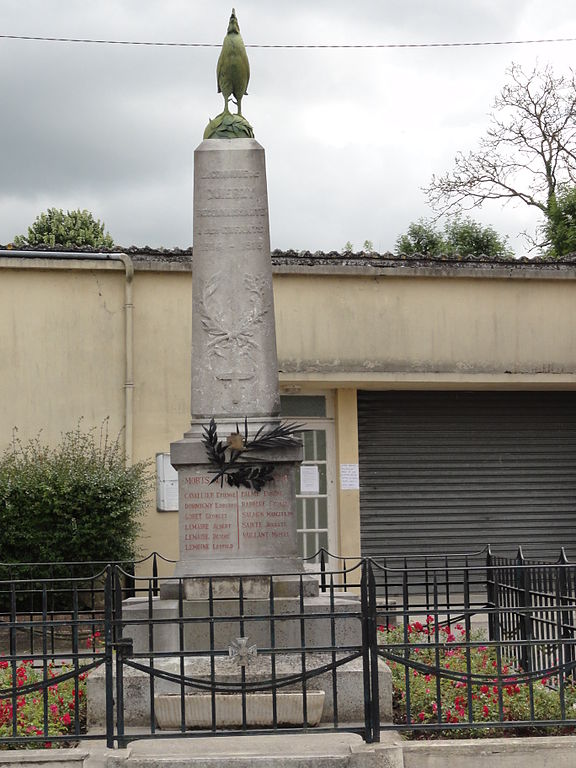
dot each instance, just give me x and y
(466, 237)
(560, 228)
(528, 152)
(75, 502)
(367, 247)
(421, 238)
(460, 237)
(70, 229)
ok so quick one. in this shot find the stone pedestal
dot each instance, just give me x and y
(225, 530)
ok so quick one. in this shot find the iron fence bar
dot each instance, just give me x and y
(108, 668)
(405, 623)
(368, 725)
(44, 657)
(181, 587)
(75, 654)
(13, 651)
(447, 591)
(439, 703)
(333, 644)
(303, 654)
(373, 643)
(468, 631)
(212, 656)
(155, 574)
(118, 629)
(524, 608)
(242, 634)
(567, 624)
(560, 645)
(271, 609)
(322, 570)
(151, 646)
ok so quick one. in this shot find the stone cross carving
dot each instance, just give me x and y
(241, 652)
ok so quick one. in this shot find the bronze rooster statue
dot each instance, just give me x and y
(233, 69)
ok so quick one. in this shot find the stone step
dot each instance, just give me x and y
(334, 750)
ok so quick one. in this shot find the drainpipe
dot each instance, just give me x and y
(9, 253)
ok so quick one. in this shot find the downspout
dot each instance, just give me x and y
(8, 253)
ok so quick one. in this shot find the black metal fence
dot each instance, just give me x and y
(469, 642)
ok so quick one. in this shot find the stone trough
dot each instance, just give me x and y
(228, 709)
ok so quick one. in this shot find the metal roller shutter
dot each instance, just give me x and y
(447, 472)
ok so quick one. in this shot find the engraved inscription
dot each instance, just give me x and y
(231, 193)
(233, 521)
(246, 229)
(238, 173)
(218, 245)
(232, 212)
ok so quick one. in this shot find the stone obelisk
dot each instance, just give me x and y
(223, 529)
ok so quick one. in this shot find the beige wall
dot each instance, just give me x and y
(335, 325)
(61, 351)
(63, 348)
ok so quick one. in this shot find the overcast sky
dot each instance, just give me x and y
(351, 136)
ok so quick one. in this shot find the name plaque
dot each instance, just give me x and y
(232, 522)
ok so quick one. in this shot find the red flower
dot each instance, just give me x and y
(485, 711)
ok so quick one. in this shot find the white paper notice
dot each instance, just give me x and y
(309, 479)
(349, 477)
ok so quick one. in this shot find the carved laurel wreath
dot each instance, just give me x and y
(214, 315)
(230, 457)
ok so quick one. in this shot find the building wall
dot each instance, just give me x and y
(425, 325)
(63, 348)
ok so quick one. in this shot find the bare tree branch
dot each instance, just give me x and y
(528, 152)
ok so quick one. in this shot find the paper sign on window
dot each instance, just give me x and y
(309, 479)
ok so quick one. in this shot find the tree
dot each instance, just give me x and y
(367, 247)
(528, 152)
(460, 237)
(560, 228)
(421, 238)
(70, 229)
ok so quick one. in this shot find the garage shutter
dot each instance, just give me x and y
(447, 472)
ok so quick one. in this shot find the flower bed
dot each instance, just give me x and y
(40, 714)
(445, 677)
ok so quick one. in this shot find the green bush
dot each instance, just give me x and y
(74, 502)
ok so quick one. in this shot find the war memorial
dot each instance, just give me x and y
(241, 607)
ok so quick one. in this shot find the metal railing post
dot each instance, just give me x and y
(108, 657)
(490, 593)
(524, 610)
